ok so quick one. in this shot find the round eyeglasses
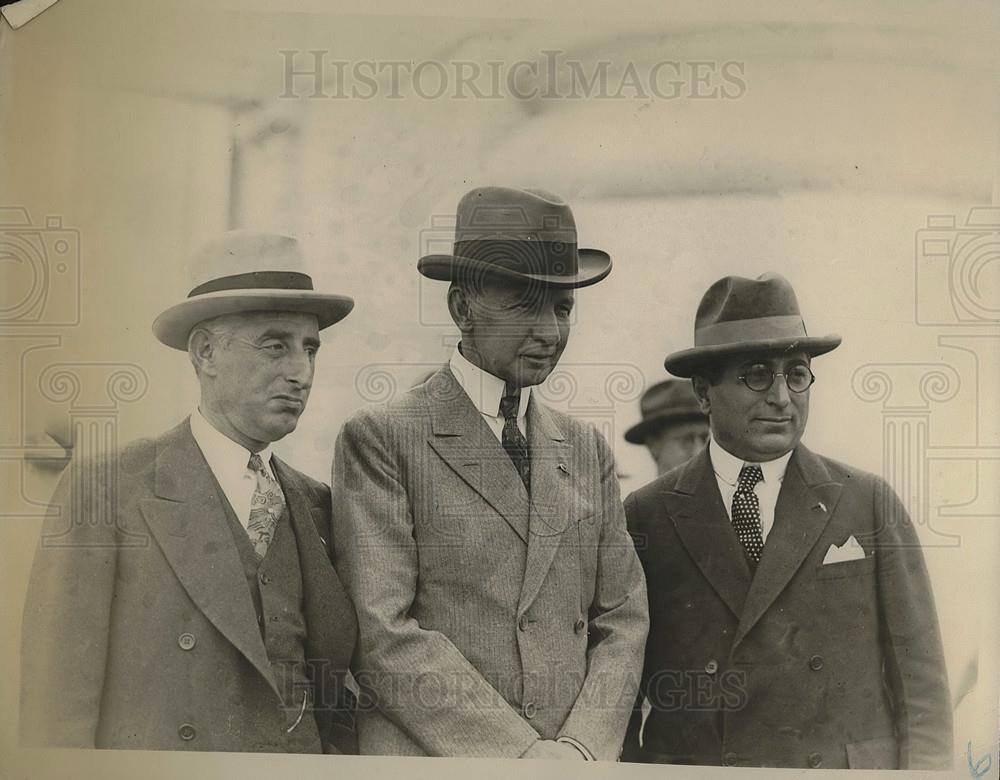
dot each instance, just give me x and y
(759, 377)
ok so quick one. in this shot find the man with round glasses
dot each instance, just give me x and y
(792, 622)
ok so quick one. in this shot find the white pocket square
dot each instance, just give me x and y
(851, 550)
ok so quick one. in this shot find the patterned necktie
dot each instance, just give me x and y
(746, 511)
(514, 443)
(266, 507)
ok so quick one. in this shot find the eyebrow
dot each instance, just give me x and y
(284, 335)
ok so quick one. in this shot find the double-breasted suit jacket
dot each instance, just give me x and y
(488, 619)
(140, 630)
(804, 663)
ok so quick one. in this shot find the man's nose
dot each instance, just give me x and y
(546, 327)
(300, 368)
(778, 393)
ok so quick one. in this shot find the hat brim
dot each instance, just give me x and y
(637, 433)
(174, 325)
(685, 362)
(592, 266)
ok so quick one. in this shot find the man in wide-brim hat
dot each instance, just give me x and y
(673, 427)
(790, 587)
(501, 605)
(183, 595)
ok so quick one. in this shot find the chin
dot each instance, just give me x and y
(278, 432)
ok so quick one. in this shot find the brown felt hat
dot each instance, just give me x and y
(738, 315)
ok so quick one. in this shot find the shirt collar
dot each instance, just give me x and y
(483, 389)
(227, 458)
(727, 466)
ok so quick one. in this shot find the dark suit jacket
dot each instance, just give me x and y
(806, 664)
(138, 618)
(489, 619)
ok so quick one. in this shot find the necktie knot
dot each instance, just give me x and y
(255, 463)
(750, 475)
(509, 406)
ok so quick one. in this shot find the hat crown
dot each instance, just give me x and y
(737, 308)
(514, 215)
(735, 298)
(670, 395)
(241, 252)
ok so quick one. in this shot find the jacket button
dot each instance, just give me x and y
(816, 663)
(186, 641)
(530, 709)
(522, 623)
(264, 579)
(815, 760)
(712, 666)
(729, 759)
(186, 732)
(579, 625)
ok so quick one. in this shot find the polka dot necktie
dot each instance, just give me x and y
(746, 511)
(266, 506)
(514, 443)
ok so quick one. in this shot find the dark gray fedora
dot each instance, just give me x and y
(519, 234)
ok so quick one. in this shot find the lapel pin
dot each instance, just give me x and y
(820, 505)
(562, 468)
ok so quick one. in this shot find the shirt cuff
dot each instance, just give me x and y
(587, 755)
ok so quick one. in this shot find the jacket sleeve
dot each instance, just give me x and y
(67, 614)
(914, 658)
(632, 749)
(414, 676)
(619, 622)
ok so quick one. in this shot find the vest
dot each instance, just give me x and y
(275, 585)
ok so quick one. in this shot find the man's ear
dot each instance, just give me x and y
(700, 385)
(202, 350)
(460, 308)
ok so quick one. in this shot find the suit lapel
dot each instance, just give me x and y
(464, 441)
(330, 623)
(187, 519)
(806, 501)
(553, 497)
(703, 525)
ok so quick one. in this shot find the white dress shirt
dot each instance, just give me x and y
(228, 462)
(727, 473)
(485, 392)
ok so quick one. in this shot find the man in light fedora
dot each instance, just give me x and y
(501, 606)
(792, 620)
(183, 595)
(673, 427)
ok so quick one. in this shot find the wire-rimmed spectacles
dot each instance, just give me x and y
(759, 377)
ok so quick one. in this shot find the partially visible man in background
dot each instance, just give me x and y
(673, 427)
(182, 595)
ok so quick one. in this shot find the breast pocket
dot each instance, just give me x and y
(862, 567)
